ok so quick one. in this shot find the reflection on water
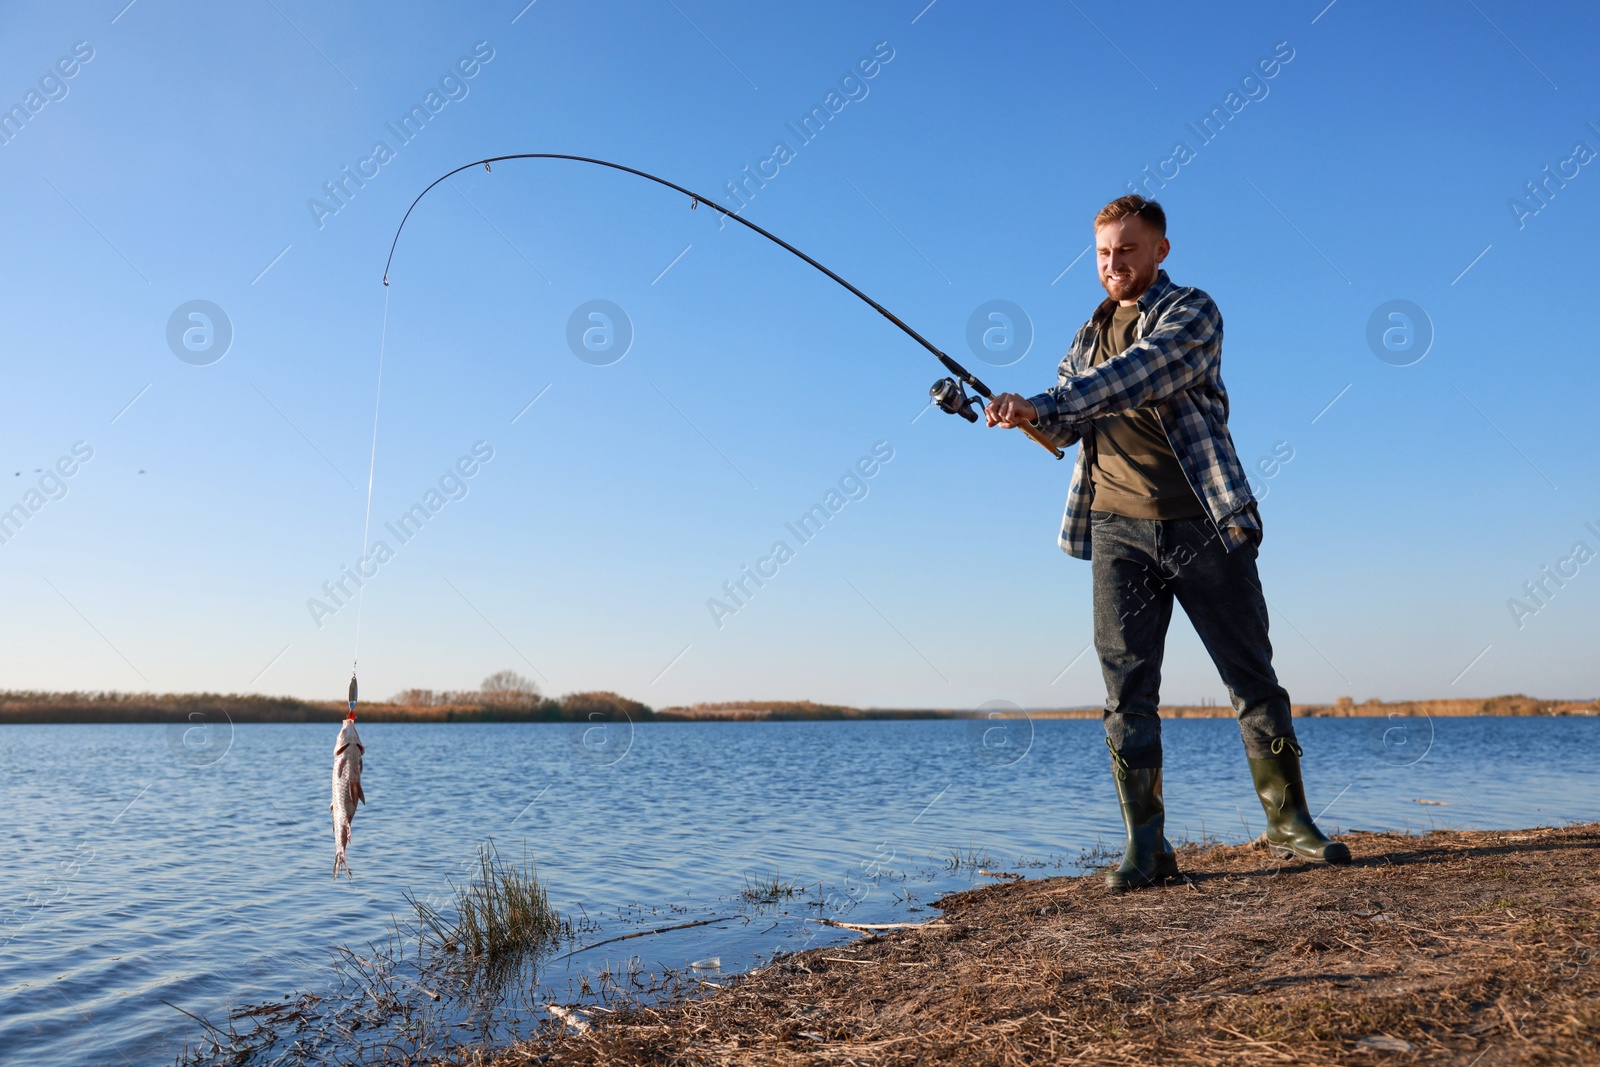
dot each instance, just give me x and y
(139, 870)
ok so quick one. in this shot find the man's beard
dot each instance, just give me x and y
(1131, 287)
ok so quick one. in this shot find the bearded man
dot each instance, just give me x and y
(1161, 506)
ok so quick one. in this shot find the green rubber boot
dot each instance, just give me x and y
(1149, 859)
(1290, 828)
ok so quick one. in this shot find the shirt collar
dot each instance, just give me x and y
(1157, 290)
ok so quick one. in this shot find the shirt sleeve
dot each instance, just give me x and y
(1061, 432)
(1173, 356)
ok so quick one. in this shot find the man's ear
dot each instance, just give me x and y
(1161, 251)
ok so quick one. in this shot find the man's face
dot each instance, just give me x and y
(1129, 252)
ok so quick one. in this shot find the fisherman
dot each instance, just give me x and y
(1161, 506)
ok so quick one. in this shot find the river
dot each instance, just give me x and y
(148, 868)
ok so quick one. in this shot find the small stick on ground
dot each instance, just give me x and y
(932, 924)
(644, 933)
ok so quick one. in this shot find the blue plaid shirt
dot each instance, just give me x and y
(1175, 367)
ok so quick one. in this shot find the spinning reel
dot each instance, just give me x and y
(953, 399)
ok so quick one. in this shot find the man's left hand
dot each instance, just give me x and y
(1009, 410)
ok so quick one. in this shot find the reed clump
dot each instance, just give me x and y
(769, 889)
(407, 998)
(501, 911)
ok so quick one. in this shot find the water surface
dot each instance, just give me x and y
(143, 864)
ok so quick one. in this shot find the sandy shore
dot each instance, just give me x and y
(1471, 948)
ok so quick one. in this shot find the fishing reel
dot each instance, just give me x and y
(953, 399)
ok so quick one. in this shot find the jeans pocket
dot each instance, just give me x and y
(1097, 518)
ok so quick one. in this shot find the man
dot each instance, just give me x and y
(1161, 506)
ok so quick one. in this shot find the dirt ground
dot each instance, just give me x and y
(1478, 949)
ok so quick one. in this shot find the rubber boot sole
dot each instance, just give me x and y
(1166, 869)
(1335, 853)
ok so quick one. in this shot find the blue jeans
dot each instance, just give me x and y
(1140, 566)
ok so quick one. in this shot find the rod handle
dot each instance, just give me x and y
(1044, 442)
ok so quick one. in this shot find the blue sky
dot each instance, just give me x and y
(1377, 163)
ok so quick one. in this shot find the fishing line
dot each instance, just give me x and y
(366, 524)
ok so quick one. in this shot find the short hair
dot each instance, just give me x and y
(1133, 204)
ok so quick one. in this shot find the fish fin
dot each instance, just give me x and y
(357, 794)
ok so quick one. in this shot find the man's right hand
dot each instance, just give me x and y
(1009, 410)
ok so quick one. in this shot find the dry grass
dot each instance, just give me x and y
(1453, 948)
(500, 912)
(499, 701)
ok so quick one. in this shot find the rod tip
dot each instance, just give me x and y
(385, 281)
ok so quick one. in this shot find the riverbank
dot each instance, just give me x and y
(211, 708)
(1471, 948)
(1515, 704)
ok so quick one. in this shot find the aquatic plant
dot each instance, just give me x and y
(500, 911)
(972, 859)
(769, 889)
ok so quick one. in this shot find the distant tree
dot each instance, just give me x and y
(508, 689)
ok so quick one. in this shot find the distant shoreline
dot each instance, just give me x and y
(111, 708)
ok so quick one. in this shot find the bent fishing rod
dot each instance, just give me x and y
(947, 393)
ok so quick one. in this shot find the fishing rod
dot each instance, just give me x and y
(948, 393)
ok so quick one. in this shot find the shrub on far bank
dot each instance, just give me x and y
(503, 690)
(604, 706)
(508, 696)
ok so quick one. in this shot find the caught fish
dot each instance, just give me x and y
(347, 792)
